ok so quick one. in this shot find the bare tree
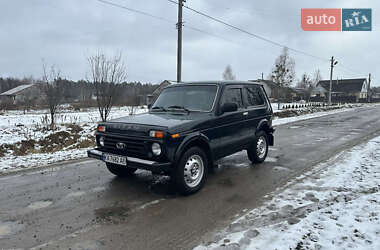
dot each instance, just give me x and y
(52, 90)
(228, 74)
(106, 73)
(283, 72)
(305, 82)
(316, 78)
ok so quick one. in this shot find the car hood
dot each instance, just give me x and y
(168, 120)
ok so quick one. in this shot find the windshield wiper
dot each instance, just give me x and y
(178, 107)
(159, 108)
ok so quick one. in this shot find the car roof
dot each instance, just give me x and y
(220, 83)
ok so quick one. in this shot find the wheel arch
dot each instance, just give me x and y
(264, 126)
(196, 140)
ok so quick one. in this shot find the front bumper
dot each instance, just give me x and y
(135, 162)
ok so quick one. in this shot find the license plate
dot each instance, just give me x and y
(115, 159)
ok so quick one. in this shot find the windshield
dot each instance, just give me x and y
(192, 98)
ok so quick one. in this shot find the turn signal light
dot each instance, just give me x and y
(156, 134)
(175, 136)
(101, 128)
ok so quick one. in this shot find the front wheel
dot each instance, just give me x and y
(259, 149)
(121, 171)
(191, 172)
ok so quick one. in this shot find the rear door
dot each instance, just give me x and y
(257, 109)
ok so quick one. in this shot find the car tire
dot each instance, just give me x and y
(190, 173)
(120, 171)
(258, 150)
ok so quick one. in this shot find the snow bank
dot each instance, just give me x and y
(334, 206)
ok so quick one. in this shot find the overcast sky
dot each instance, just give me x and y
(66, 32)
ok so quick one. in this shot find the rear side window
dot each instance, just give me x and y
(233, 95)
(254, 96)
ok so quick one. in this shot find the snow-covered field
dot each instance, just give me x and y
(334, 206)
(16, 127)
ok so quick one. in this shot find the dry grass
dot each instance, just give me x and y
(57, 141)
(75, 128)
(3, 150)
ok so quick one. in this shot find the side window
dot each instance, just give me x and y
(254, 96)
(233, 95)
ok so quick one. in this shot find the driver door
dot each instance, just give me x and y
(229, 125)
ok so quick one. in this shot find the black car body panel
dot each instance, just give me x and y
(219, 134)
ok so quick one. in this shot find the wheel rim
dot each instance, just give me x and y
(261, 147)
(193, 171)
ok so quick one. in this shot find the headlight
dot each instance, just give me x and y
(156, 149)
(101, 141)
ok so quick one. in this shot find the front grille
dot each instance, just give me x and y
(134, 147)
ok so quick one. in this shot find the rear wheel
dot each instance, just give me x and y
(259, 148)
(119, 170)
(191, 172)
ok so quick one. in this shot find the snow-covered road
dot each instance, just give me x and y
(334, 206)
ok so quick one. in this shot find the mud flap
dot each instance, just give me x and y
(271, 139)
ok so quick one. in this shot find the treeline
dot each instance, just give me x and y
(129, 93)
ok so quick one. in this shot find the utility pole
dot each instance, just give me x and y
(369, 88)
(179, 40)
(333, 63)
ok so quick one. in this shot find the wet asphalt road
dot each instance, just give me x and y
(82, 206)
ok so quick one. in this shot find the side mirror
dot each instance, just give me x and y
(229, 107)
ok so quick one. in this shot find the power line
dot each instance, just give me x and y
(347, 69)
(249, 33)
(163, 19)
(135, 10)
(211, 34)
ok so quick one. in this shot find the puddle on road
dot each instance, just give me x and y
(40, 204)
(112, 214)
(227, 182)
(8, 228)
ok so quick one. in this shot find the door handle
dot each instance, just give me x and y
(245, 113)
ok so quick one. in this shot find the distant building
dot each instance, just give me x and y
(269, 86)
(343, 90)
(280, 94)
(375, 95)
(152, 97)
(160, 87)
(21, 94)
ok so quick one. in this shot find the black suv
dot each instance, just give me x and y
(189, 126)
